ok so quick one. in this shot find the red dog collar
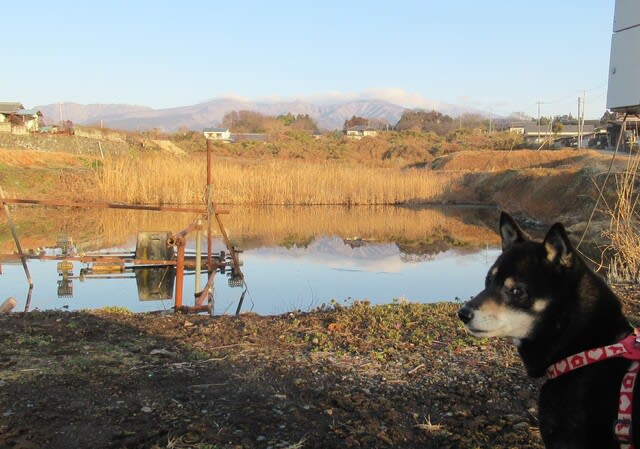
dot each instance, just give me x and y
(628, 348)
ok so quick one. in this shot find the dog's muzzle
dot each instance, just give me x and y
(465, 314)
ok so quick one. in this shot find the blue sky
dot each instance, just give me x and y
(498, 56)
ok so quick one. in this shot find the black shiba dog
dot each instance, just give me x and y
(567, 323)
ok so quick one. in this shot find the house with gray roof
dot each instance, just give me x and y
(566, 135)
(15, 118)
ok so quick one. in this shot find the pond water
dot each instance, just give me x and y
(293, 258)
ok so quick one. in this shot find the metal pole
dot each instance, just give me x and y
(27, 304)
(579, 137)
(209, 209)
(539, 103)
(198, 253)
(179, 274)
(16, 240)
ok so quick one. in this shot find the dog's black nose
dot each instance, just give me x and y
(465, 314)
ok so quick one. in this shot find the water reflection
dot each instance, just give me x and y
(294, 257)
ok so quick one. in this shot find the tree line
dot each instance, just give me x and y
(411, 120)
(255, 122)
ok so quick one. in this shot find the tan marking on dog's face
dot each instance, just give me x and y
(540, 305)
(494, 271)
(509, 283)
(492, 319)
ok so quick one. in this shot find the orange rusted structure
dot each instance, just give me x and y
(179, 272)
(177, 240)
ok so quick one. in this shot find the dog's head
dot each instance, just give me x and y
(521, 285)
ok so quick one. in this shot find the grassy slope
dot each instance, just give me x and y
(547, 185)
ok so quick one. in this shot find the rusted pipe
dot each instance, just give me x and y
(160, 208)
(14, 233)
(179, 274)
(198, 253)
(182, 234)
(232, 250)
(194, 309)
(87, 259)
(137, 263)
(27, 303)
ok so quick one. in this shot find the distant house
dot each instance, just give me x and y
(360, 131)
(15, 118)
(218, 134)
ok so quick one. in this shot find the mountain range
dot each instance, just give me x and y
(328, 116)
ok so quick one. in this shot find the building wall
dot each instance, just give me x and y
(33, 124)
(19, 130)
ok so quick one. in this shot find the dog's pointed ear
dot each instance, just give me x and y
(510, 231)
(558, 246)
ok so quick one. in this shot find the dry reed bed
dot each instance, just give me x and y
(155, 178)
(624, 247)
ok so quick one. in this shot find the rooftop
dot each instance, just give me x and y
(10, 107)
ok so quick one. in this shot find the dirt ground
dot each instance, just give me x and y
(394, 376)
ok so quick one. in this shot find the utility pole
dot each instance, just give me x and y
(579, 133)
(490, 120)
(539, 103)
(584, 105)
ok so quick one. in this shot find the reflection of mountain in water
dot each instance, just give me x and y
(343, 254)
(335, 246)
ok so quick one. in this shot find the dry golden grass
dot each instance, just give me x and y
(153, 178)
(20, 158)
(624, 262)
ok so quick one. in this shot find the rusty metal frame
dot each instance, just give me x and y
(177, 240)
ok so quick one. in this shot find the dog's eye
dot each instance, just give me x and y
(517, 291)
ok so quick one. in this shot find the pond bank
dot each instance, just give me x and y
(393, 376)
(400, 376)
